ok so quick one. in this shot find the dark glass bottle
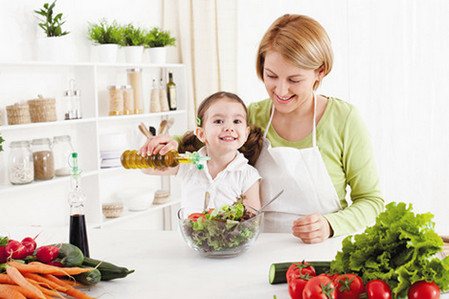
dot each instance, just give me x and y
(78, 229)
(171, 92)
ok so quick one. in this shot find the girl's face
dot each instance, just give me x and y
(224, 127)
(288, 86)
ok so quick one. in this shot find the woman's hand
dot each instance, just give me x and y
(312, 228)
(161, 144)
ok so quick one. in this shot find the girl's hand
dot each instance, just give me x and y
(161, 144)
(312, 228)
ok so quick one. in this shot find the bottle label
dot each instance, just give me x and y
(172, 98)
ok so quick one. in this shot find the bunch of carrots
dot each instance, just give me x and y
(40, 281)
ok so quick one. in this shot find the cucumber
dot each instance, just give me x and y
(279, 270)
(108, 270)
(89, 278)
(70, 255)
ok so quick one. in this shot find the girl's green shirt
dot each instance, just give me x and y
(345, 146)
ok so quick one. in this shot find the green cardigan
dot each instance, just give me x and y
(345, 146)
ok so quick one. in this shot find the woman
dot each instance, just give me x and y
(315, 145)
(319, 144)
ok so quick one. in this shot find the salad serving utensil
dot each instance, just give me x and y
(265, 205)
(206, 200)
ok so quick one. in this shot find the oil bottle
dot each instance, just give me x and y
(130, 159)
(78, 232)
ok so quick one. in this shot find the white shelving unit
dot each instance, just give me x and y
(44, 202)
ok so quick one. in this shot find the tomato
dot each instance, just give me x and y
(319, 287)
(296, 287)
(195, 216)
(300, 269)
(377, 289)
(210, 211)
(424, 290)
(349, 286)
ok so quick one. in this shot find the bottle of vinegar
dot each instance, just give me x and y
(131, 160)
(78, 231)
(171, 92)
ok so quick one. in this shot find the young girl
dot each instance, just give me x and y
(223, 129)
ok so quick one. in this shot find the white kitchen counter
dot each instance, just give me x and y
(165, 267)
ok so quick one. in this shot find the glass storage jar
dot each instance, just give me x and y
(62, 149)
(20, 166)
(43, 158)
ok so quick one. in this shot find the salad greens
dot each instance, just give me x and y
(399, 249)
(225, 228)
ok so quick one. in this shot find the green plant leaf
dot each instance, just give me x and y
(51, 25)
(159, 38)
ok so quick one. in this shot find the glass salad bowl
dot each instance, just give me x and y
(220, 233)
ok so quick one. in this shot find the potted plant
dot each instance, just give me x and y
(133, 41)
(106, 38)
(1, 141)
(157, 40)
(54, 46)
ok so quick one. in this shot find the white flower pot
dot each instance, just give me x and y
(134, 54)
(55, 48)
(106, 53)
(158, 55)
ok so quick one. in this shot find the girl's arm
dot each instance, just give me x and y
(252, 197)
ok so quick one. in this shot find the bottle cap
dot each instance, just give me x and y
(197, 159)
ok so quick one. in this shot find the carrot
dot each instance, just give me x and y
(21, 281)
(4, 278)
(41, 268)
(8, 292)
(47, 292)
(45, 282)
(29, 294)
(71, 291)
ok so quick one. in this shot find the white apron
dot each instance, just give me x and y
(303, 176)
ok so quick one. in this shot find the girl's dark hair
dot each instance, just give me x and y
(253, 145)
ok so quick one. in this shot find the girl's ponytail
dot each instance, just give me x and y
(253, 146)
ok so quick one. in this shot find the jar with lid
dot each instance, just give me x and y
(43, 159)
(135, 80)
(128, 99)
(115, 100)
(20, 166)
(62, 149)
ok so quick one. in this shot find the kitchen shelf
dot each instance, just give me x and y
(126, 215)
(24, 80)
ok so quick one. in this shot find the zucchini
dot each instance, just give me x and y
(89, 278)
(69, 255)
(278, 271)
(108, 270)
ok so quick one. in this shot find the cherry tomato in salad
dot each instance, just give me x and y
(319, 287)
(424, 290)
(296, 287)
(300, 269)
(377, 289)
(195, 216)
(349, 286)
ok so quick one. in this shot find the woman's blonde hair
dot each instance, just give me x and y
(300, 40)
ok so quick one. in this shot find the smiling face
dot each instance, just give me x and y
(224, 128)
(288, 86)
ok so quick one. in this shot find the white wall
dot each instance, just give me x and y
(19, 24)
(391, 62)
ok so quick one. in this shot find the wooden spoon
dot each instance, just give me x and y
(144, 130)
